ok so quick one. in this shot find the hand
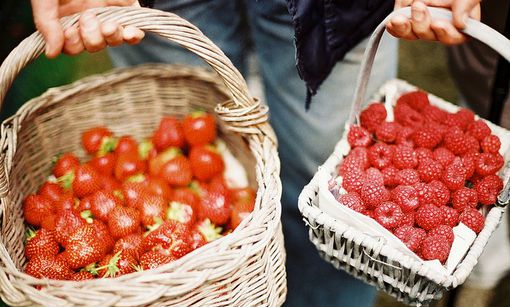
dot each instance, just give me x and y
(88, 34)
(422, 26)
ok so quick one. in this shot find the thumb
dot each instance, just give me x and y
(47, 22)
(461, 9)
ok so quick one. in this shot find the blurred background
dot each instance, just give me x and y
(420, 63)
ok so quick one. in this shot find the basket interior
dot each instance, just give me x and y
(129, 101)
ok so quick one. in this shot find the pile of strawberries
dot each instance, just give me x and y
(132, 206)
(422, 174)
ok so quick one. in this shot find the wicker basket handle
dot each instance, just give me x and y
(474, 28)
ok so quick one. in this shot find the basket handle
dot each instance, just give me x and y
(474, 28)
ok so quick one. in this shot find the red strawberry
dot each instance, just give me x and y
(237, 215)
(130, 244)
(404, 157)
(156, 163)
(83, 247)
(170, 238)
(373, 194)
(429, 170)
(429, 217)
(408, 176)
(48, 222)
(169, 134)
(463, 198)
(245, 195)
(152, 260)
(387, 132)
(180, 212)
(418, 100)
(443, 230)
(405, 137)
(390, 176)
(125, 145)
(427, 137)
(451, 216)
(35, 208)
(406, 197)
(85, 180)
(353, 201)
(479, 129)
(456, 141)
(488, 188)
(435, 247)
(443, 156)
(373, 116)
(132, 192)
(41, 242)
(102, 232)
(128, 164)
(359, 137)
(388, 214)
(82, 275)
(423, 153)
(177, 171)
(375, 175)
(92, 138)
(411, 236)
(123, 221)
(104, 164)
(51, 191)
(158, 187)
(472, 219)
(187, 196)
(215, 204)
(380, 155)
(116, 265)
(206, 162)
(102, 204)
(66, 202)
(48, 266)
(489, 164)
(199, 128)
(110, 184)
(198, 240)
(65, 163)
(146, 150)
(454, 176)
(151, 207)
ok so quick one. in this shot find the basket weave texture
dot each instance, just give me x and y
(245, 268)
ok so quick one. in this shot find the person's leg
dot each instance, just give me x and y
(306, 139)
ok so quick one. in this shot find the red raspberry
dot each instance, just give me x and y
(373, 193)
(411, 236)
(374, 175)
(406, 197)
(443, 230)
(466, 116)
(359, 137)
(423, 153)
(443, 156)
(390, 176)
(408, 219)
(429, 217)
(405, 137)
(427, 137)
(353, 201)
(451, 216)
(440, 192)
(429, 169)
(468, 162)
(407, 116)
(404, 157)
(360, 154)
(489, 164)
(353, 181)
(472, 219)
(435, 247)
(356, 160)
(380, 155)
(408, 176)
(388, 214)
(454, 176)
(425, 193)
(373, 116)
(370, 213)
(479, 129)
(488, 188)
(490, 144)
(472, 144)
(434, 114)
(387, 132)
(456, 141)
(463, 198)
(418, 100)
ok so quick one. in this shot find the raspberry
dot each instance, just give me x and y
(468, 162)
(489, 164)
(408, 219)
(390, 176)
(407, 116)
(423, 153)
(472, 144)
(373, 116)
(488, 188)
(374, 175)
(466, 116)
(405, 137)
(388, 214)
(490, 144)
(443, 156)
(427, 137)
(404, 157)
(472, 219)
(451, 216)
(408, 176)
(353, 201)
(435, 247)
(440, 192)
(463, 198)
(380, 155)
(406, 197)
(360, 154)
(425, 193)
(418, 100)
(434, 114)
(479, 129)
(387, 132)
(429, 217)
(429, 169)
(443, 230)
(411, 236)
(456, 141)
(353, 181)
(454, 176)
(356, 160)
(359, 137)
(373, 193)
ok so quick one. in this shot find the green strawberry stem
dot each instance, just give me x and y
(91, 268)
(209, 230)
(66, 181)
(118, 194)
(108, 144)
(157, 222)
(30, 233)
(176, 212)
(87, 216)
(111, 268)
(136, 178)
(144, 148)
(197, 113)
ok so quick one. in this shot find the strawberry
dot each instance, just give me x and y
(130, 244)
(116, 265)
(123, 221)
(82, 275)
(488, 188)
(353, 181)
(128, 164)
(411, 236)
(373, 194)
(237, 215)
(443, 156)
(152, 260)
(390, 176)
(429, 216)
(126, 145)
(157, 162)
(151, 207)
(48, 222)
(454, 175)
(132, 191)
(169, 134)
(177, 171)
(158, 187)
(380, 155)
(85, 180)
(463, 198)
(435, 247)
(41, 242)
(104, 164)
(245, 195)
(375, 175)
(404, 157)
(479, 129)
(473, 219)
(35, 208)
(387, 132)
(171, 238)
(67, 162)
(443, 230)
(208, 231)
(456, 141)
(206, 162)
(102, 232)
(48, 266)
(51, 191)
(110, 184)
(418, 100)
(83, 247)
(215, 205)
(66, 202)
(199, 128)
(429, 170)
(489, 164)
(187, 196)
(102, 204)
(146, 150)
(93, 138)
(405, 137)
(180, 212)
(440, 192)
(408, 176)
(407, 116)
(388, 214)
(451, 216)
(353, 201)
(372, 116)
(406, 197)
(359, 137)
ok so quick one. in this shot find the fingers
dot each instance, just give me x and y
(420, 20)
(133, 35)
(47, 22)
(73, 43)
(90, 31)
(402, 3)
(446, 33)
(113, 33)
(461, 9)
(399, 26)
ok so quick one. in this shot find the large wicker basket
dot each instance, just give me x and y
(368, 257)
(244, 268)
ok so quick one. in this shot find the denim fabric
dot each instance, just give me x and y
(306, 139)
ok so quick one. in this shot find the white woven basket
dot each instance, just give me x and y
(371, 258)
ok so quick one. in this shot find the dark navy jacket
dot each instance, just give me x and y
(327, 29)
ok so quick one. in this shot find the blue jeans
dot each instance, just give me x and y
(306, 139)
